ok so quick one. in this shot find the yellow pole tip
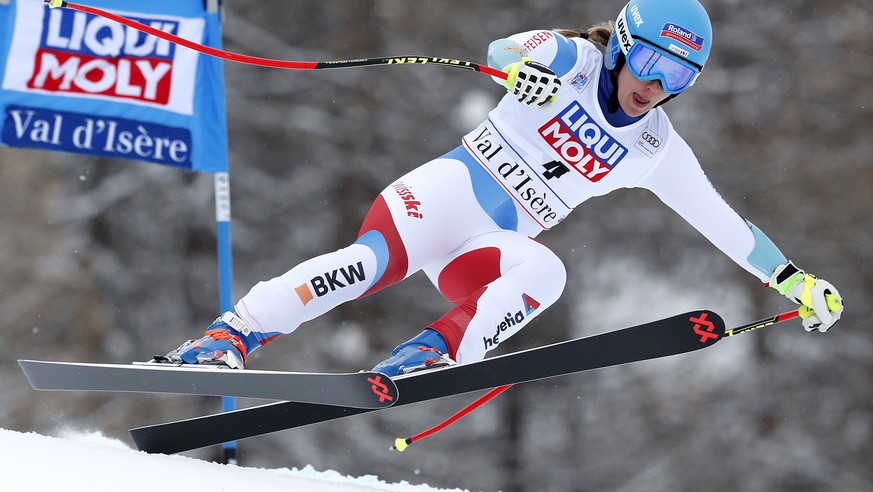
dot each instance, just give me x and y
(400, 444)
(53, 4)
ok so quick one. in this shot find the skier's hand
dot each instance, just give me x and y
(820, 304)
(532, 82)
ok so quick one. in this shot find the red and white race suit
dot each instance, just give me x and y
(468, 218)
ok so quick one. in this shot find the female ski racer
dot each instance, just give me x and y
(575, 124)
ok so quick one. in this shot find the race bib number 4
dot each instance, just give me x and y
(521, 182)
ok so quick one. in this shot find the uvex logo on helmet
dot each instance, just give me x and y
(624, 36)
(678, 27)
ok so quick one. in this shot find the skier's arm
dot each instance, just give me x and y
(681, 184)
(534, 62)
(547, 47)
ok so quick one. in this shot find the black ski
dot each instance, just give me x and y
(675, 335)
(370, 390)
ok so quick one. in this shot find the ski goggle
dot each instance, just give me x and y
(647, 64)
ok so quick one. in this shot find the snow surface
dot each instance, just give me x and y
(94, 463)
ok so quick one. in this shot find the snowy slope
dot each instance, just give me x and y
(93, 463)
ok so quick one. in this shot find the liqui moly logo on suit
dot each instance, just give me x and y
(582, 143)
(71, 53)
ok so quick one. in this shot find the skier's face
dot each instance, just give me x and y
(637, 97)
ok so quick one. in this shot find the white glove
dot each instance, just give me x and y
(820, 304)
(532, 82)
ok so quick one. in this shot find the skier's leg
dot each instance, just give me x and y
(489, 309)
(278, 306)
(419, 218)
(498, 281)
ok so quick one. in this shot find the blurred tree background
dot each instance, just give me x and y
(104, 260)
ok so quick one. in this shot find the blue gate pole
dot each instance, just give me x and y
(225, 278)
(225, 255)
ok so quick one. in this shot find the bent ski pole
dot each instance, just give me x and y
(400, 444)
(284, 64)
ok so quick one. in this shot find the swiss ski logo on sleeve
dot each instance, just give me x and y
(582, 143)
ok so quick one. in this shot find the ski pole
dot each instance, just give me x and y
(284, 64)
(763, 323)
(400, 444)
(834, 303)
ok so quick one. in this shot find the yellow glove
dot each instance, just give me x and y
(820, 303)
(532, 82)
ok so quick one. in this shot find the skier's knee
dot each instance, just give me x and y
(552, 278)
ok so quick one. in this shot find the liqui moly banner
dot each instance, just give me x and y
(76, 82)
